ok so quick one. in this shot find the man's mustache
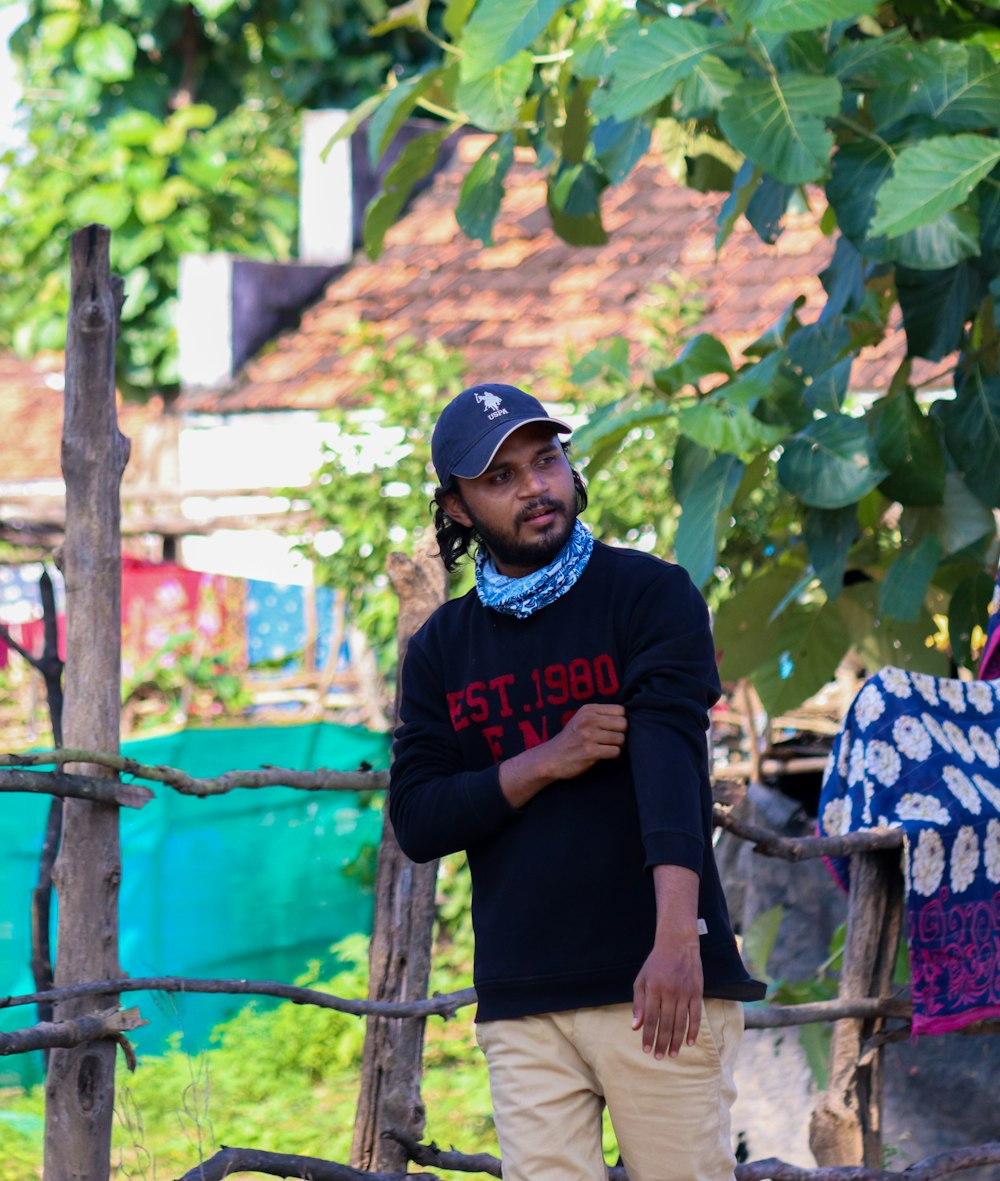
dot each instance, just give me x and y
(537, 507)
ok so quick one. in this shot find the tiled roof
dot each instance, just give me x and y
(514, 307)
(31, 410)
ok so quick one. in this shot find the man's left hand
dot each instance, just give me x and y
(667, 997)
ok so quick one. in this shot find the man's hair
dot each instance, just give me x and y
(455, 540)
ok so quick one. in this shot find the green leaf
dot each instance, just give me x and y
(955, 85)
(828, 465)
(907, 444)
(932, 178)
(109, 204)
(972, 431)
(735, 205)
(936, 304)
(107, 53)
(56, 31)
(968, 608)
(788, 16)
(811, 641)
(705, 89)
(415, 161)
(354, 120)
(608, 358)
(493, 100)
(696, 544)
(829, 535)
(500, 28)
(593, 47)
(961, 521)
(133, 128)
(904, 587)
(393, 112)
(650, 60)
(483, 189)
(720, 423)
(601, 437)
(573, 197)
(411, 15)
(744, 630)
(212, 9)
(882, 641)
(618, 147)
(703, 356)
(760, 939)
(777, 122)
(456, 14)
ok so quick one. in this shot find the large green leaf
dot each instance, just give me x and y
(106, 53)
(880, 640)
(956, 85)
(721, 422)
(394, 110)
(482, 190)
(972, 431)
(810, 642)
(415, 161)
(410, 15)
(789, 16)
(907, 444)
(904, 587)
(703, 356)
(601, 436)
(493, 100)
(705, 89)
(968, 608)
(498, 29)
(829, 535)
(573, 198)
(649, 61)
(696, 542)
(936, 305)
(828, 464)
(620, 146)
(108, 203)
(777, 122)
(745, 632)
(932, 178)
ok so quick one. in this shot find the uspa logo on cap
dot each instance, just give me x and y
(491, 404)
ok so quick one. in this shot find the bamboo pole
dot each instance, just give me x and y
(79, 1088)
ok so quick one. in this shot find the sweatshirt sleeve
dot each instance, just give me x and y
(436, 806)
(671, 683)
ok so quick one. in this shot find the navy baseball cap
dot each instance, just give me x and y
(471, 428)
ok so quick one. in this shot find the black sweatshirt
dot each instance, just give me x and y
(563, 906)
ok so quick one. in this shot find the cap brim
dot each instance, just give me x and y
(481, 456)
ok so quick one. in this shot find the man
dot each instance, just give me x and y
(553, 724)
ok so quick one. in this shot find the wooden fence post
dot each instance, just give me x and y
(402, 934)
(79, 1089)
(846, 1125)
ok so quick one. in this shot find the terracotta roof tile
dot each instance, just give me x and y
(513, 307)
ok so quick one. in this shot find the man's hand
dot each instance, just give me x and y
(594, 732)
(667, 994)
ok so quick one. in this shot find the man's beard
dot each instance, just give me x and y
(513, 550)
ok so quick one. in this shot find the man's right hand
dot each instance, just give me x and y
(594, 732)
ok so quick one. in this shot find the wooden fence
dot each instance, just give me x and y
(86, 1025)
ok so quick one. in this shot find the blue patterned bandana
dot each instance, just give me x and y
(522, 597)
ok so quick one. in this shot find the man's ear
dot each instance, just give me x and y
(454, 506)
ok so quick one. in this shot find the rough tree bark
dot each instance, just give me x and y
(80, 1084)
(402, 931)
(846, 1125)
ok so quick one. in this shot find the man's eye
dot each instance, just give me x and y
(499, 477)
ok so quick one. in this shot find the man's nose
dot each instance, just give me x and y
(532, 482)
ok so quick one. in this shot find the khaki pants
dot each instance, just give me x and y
(551, 1076)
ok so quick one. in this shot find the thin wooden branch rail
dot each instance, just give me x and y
(47, 1035)
(76, 787)
(232, 1160)
(769, 844)
(443, 1005)
(181, 781)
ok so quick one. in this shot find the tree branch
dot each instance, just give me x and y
(319, 780)
(769, 844)
(783, 1016)
(943, 1164)
(78, 787)
(48, 1034)
(433, 1157)
(279, 1164)
(443, 1005)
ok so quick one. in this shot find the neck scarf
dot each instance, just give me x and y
(522, 597)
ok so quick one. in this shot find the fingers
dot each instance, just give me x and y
(667, 1020)
(601, 728)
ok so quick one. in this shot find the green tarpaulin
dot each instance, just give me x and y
(255, 883)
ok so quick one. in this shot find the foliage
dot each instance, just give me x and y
(882, 507)
(184, 681)
(176, 125)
